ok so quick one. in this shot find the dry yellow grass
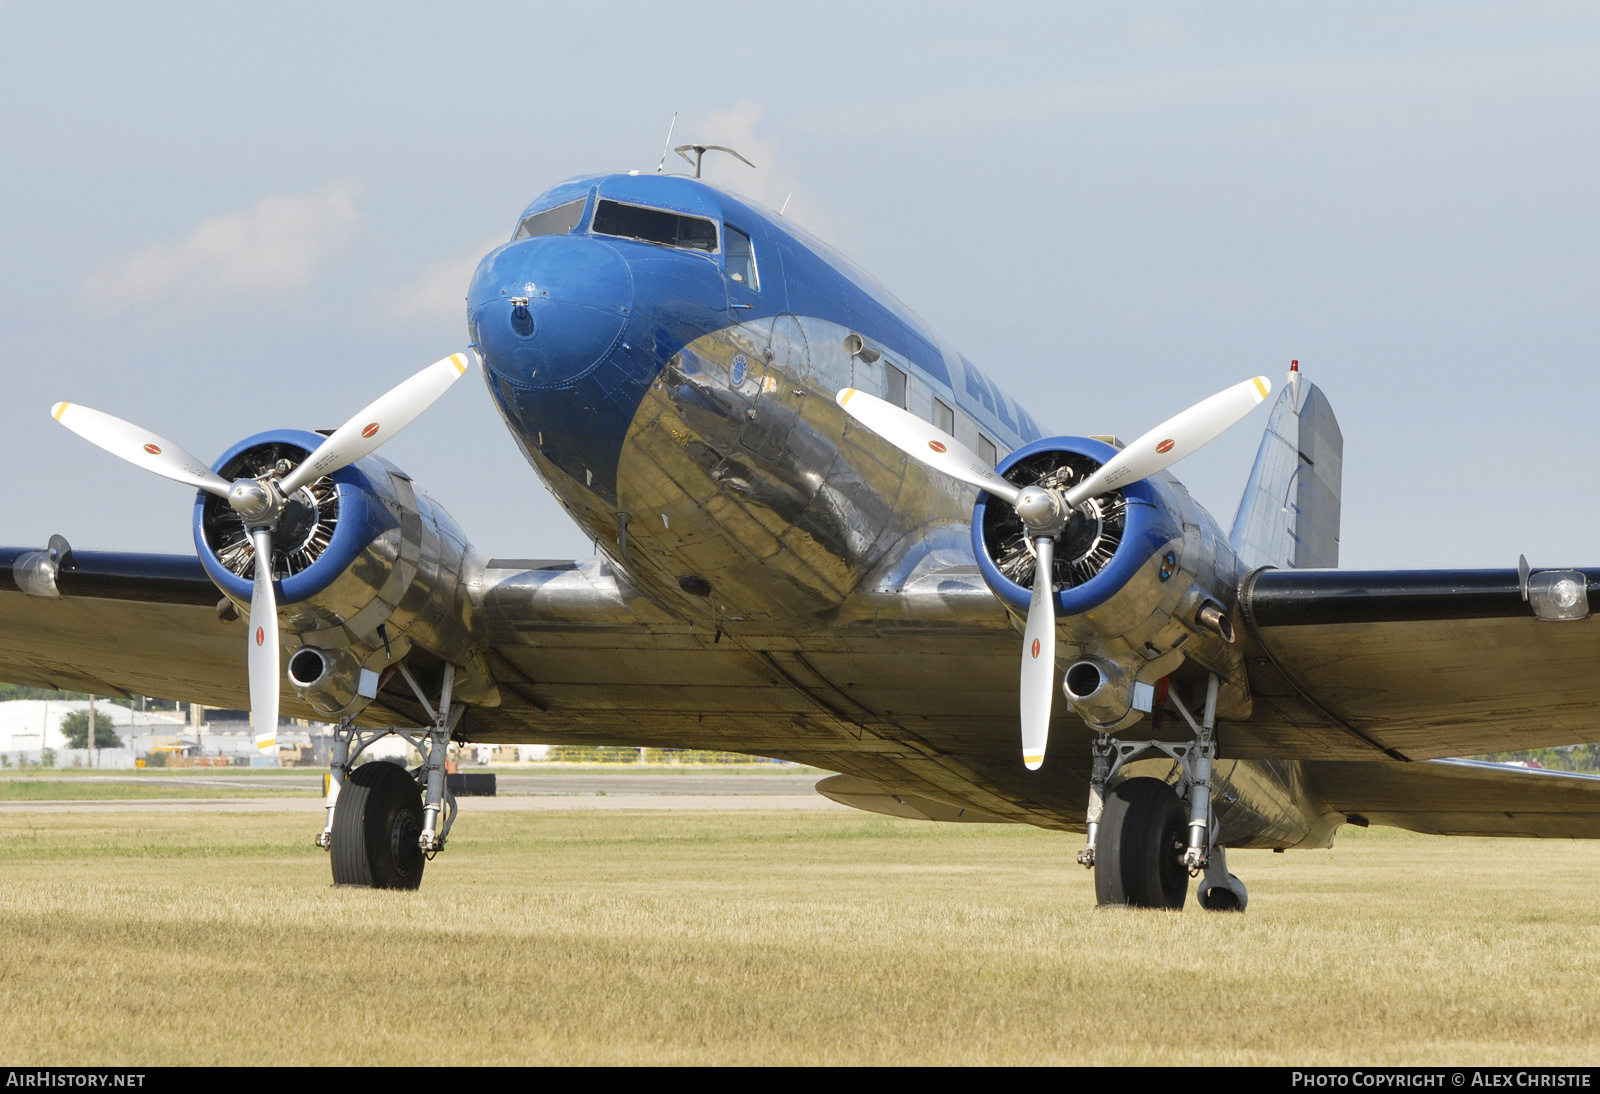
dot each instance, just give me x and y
(776, 938)
(106, 789)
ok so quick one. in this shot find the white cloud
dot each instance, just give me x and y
(440, 291)
(771, 183)
(277, 245)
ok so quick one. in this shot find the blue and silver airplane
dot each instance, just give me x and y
(825, 535)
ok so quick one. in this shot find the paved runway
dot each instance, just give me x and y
(723, 803)
(542, 791)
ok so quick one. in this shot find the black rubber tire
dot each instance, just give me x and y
(375, 829)
(1139, 855)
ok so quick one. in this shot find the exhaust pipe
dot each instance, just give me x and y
(331, 680)
(1214, 618)
(1100, 691)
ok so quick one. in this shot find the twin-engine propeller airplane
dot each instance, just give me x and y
(821, 531)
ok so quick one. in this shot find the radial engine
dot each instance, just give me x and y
(1143, 578)
(366, 568)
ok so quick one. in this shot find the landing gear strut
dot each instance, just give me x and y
(1146, 837)
(385, 823)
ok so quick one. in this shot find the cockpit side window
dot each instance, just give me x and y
(552, 222)
(741, 258)
(613, 218)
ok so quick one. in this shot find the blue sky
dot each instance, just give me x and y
(225, 217)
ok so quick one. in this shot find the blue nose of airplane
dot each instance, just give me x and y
(546, 311)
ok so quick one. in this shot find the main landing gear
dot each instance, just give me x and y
(1148, 837)
(384, 823)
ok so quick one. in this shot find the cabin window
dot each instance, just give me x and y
(741, 258)
(894, 385)
(987, 451)
(613, 218)
(552, 222)
(944, 417)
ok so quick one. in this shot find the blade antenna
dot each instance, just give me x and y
(662, 166)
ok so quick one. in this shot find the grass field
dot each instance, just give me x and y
(586, 937)
(106, 789)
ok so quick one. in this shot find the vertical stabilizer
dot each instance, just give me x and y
(1289, 515)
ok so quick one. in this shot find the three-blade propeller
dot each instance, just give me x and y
(1045, 511)
(260, 502)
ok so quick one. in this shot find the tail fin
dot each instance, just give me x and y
(1289, 515)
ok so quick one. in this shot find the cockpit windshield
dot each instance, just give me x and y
(613, 218)
(552, 222)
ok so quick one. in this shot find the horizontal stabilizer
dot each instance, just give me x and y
(875, 798)
(1462, 798)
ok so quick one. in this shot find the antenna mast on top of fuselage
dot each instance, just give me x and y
(700, 150)
(660, 167)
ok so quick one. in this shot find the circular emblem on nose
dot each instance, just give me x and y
(372, 430)
(1035, 647)
(936, 446)
(153, 449)
(261, 636)
(1165, 446)
(740, 367)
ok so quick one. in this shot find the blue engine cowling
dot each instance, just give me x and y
(1136, 570)
(365, 567)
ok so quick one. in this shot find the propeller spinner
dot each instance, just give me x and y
(1045, 510)
(260, 502)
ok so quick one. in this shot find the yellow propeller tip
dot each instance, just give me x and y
(1264, 386)
(58, 410)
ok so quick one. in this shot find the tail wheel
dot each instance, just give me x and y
(1231, 897)
(1140, 850)
(375, 829)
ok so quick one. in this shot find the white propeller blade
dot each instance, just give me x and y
(1174, 439)
(139, 446)
(263, 657)
(378, 421)
(1039, 656)
(925, 442)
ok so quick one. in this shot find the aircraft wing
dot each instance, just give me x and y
(124, 624)
(579, 658)
(138, 624)
(1412, 665)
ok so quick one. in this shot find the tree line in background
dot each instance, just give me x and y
(1584, 758)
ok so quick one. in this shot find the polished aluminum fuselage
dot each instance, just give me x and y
(775, 579)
